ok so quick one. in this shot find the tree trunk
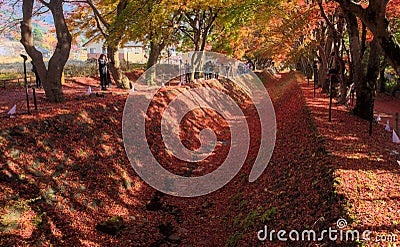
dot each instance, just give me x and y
(392, 50)
(113, 41)
(339, 50)
(373, 65)
(121, 80)
(323, 69)
(374, 17)
(364, 93)
(51, 77)
(368, 88)
(382, 79)
(155, 51)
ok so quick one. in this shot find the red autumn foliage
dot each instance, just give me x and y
(65, 167)
(366, 169)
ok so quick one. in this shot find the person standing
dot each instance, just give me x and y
(188, 71)
(228, 70)
(37, 79)
(103, 71)
(108, 73)
(216, 71)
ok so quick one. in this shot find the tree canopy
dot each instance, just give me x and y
(285, 33)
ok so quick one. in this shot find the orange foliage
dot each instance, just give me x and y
(393, 9)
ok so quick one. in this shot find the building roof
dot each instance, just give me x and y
(132, 43)
(101, 41)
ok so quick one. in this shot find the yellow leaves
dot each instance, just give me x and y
(186, 5)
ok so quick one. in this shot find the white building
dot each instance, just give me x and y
(133, 52)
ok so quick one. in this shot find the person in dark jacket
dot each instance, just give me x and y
(103, 71)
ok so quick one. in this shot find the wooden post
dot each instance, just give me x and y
(332, 73)
(330, 98)
(26, 83)
(34, 98)
(372, 117)
(315, 68)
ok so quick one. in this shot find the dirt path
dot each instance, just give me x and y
(387, 107)
(367, 175)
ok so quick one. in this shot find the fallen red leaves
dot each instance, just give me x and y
(367, 174)
(70, 158)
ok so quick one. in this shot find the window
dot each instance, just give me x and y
(92, 50)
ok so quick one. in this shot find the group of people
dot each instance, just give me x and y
(210, 70)
(213, 70)
(104, 70)
(245, 68)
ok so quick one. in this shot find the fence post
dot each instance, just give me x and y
(332, 73)
(372, 116)
(26, 83)
(315, 68)
(34, 97)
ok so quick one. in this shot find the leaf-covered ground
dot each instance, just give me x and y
(367, 175)
(64, 170)
(73, 89)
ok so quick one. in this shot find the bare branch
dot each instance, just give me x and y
(98, 14)
(40, 11)
(98, 24)
(44, 3)
(328, 22)
(74, 1)
(188, 33)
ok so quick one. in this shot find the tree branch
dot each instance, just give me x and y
(328, 22)
(97, 13)
(44, 3)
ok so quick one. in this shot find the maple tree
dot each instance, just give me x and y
(199, 19)
(235, 32)
(374, 17)
(363, 50)
(50, 76)
(153, 22)
(355, 47)
(31, 37)
(365, 81)
(324, 30)
(9, 18)
(69, 198)
(95, 19)
(269, 31)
